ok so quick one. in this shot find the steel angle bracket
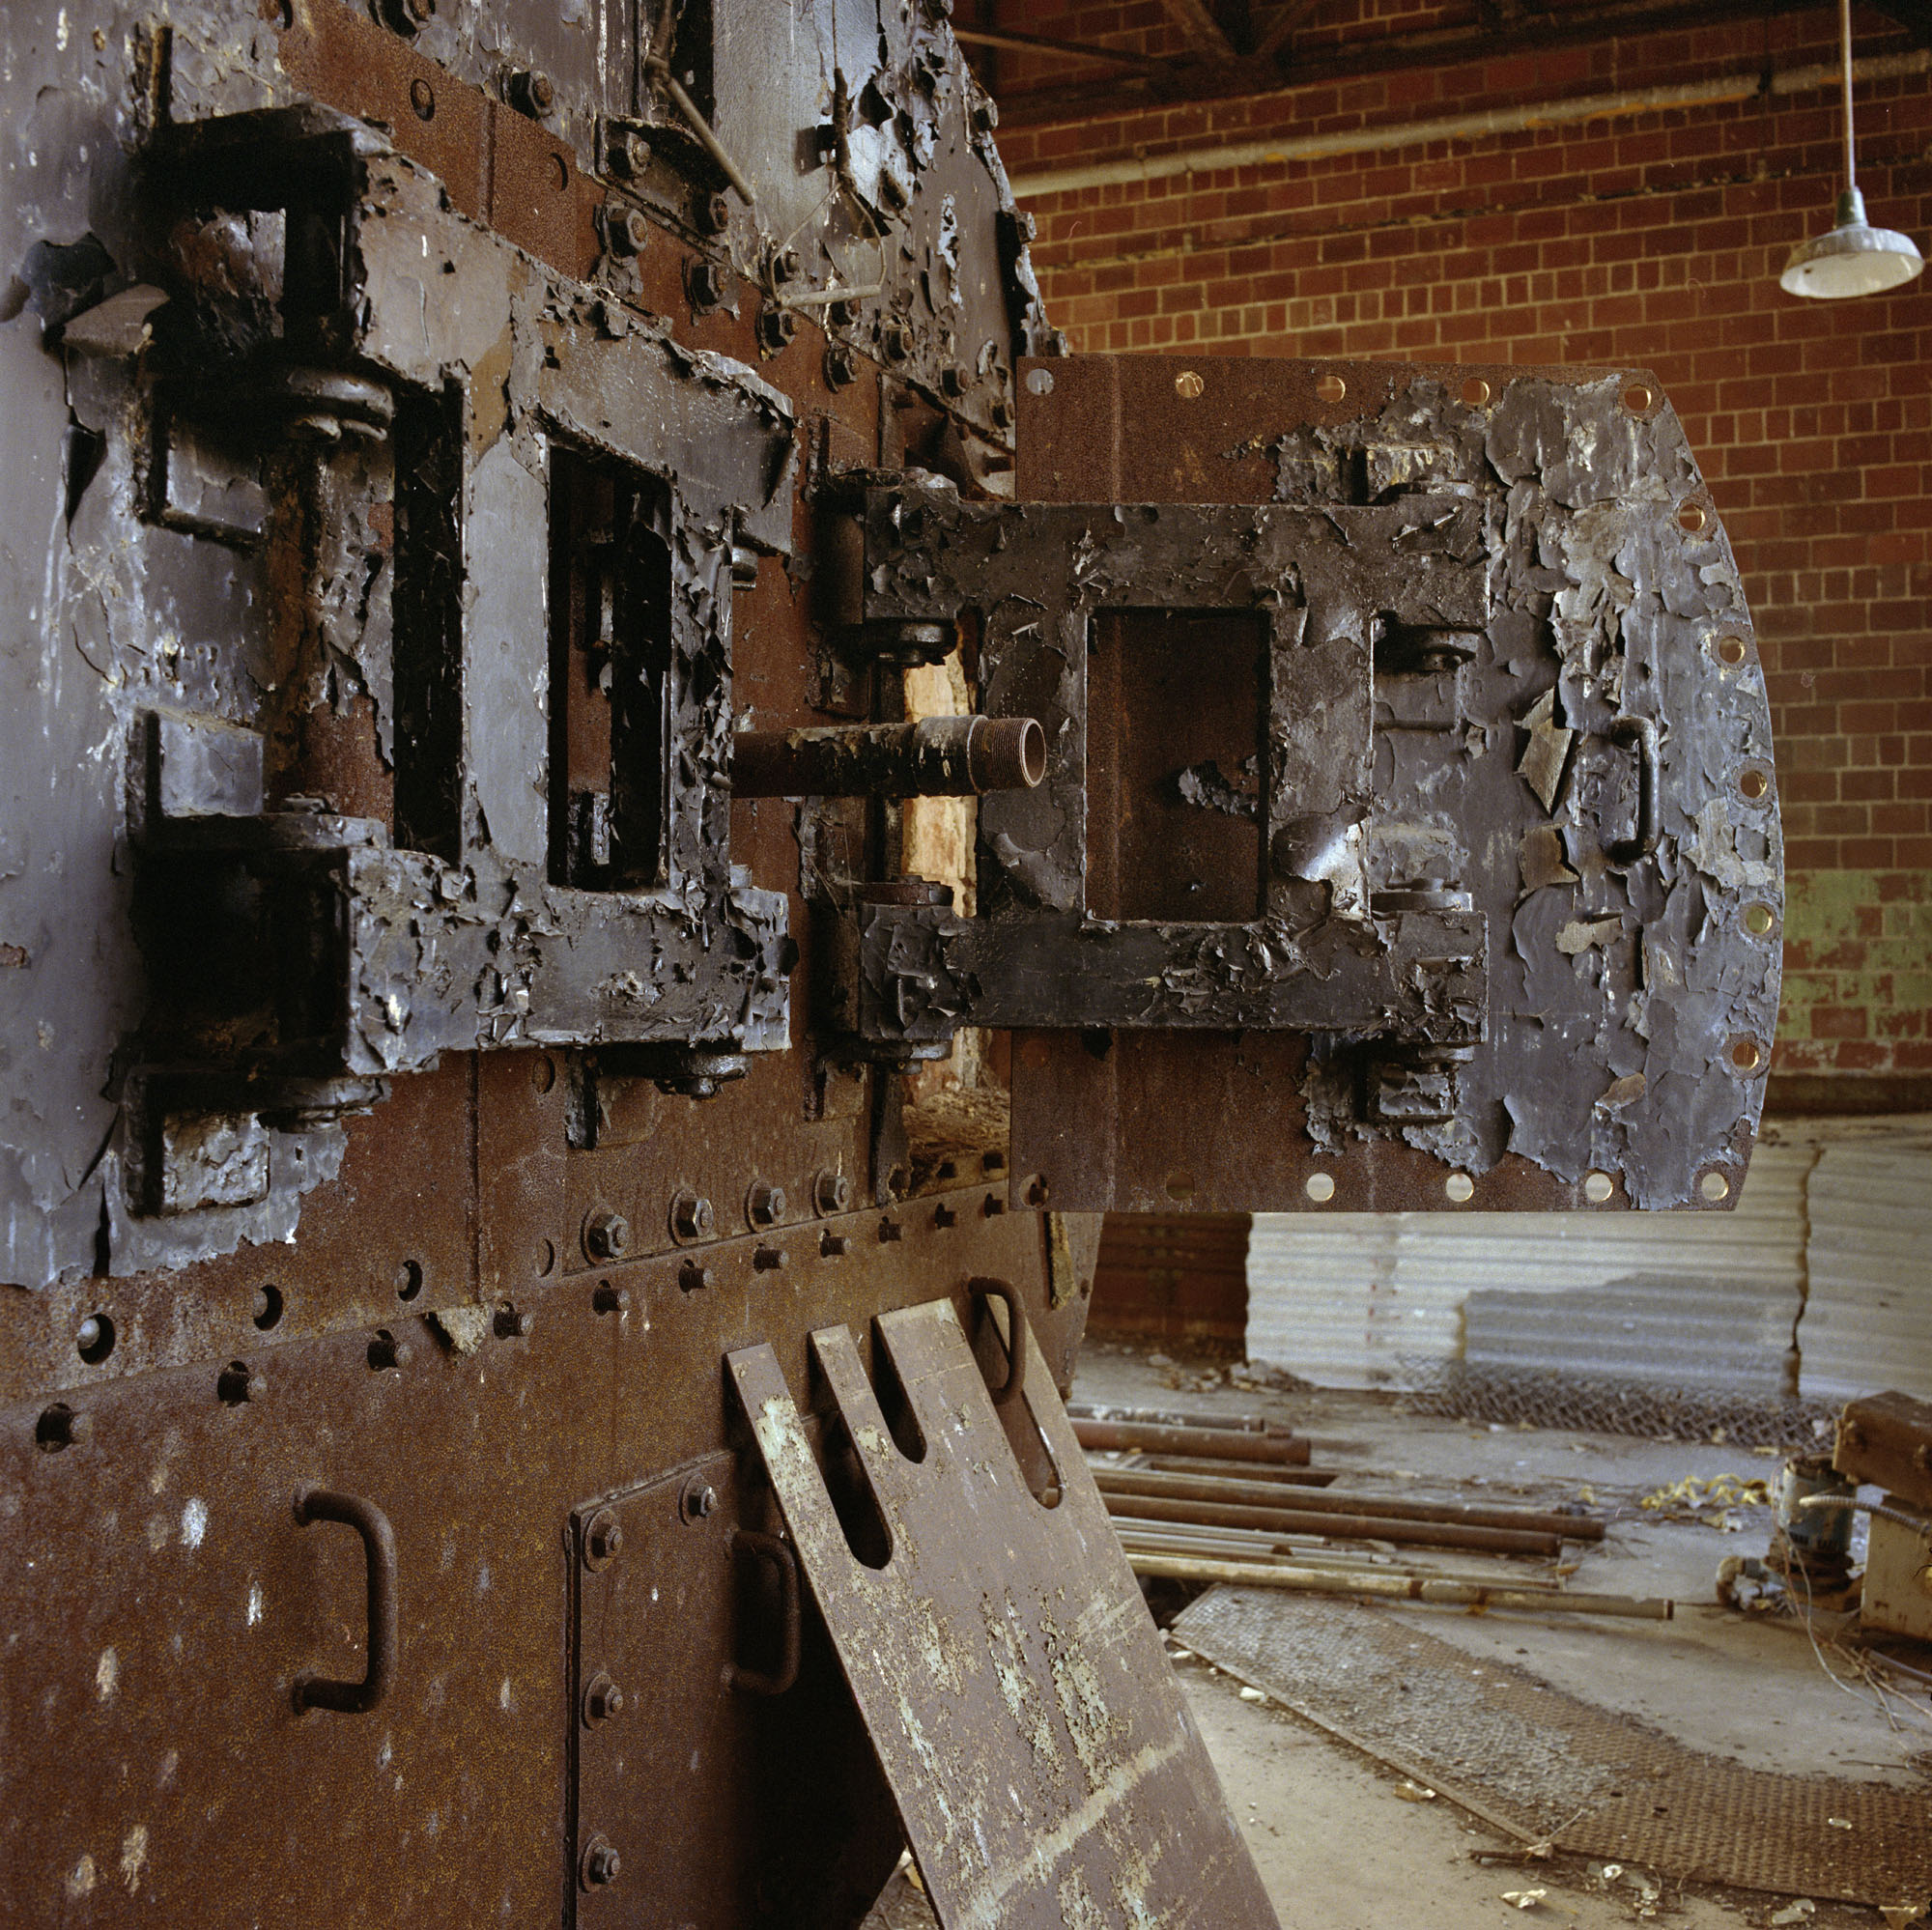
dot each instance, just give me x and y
(1045, 1768)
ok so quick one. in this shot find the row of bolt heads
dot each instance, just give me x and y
(606, 1233)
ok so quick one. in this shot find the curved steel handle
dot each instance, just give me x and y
(378, 1547)
(1016, 1337)
(1640, 735)
(779, 1553)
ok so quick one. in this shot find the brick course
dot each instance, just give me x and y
(1650, 241)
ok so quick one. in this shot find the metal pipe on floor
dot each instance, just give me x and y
(1173, 1417)
(1349, 1527)
(1224, 1445)
(1398, 1587)
(1262, 1493)
(1275, 1477)
(1249, 1545)
(936, 758)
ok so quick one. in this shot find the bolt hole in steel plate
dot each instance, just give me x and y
(1012, 1682)
(1641, 790)
(1598, 1187)
(1319, 1187)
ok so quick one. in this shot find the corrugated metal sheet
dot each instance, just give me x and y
(1358, 1300)
(1868, 1323)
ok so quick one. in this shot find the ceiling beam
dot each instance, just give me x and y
(1000, 36)
(1203, 33)
(1914, 15)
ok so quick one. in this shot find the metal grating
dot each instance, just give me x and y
(1545, 1765)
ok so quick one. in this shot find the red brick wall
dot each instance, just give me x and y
(1650, 240)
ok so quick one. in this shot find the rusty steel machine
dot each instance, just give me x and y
(627, 797)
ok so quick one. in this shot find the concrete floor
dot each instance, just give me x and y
(1341, 1840)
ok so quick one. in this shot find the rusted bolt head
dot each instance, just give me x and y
(602, 1700)
(831, 1191)
(603, 1539)
(775, 329)
(1035, 1191)
(985, 114)
(769, 1259)
(405, 16)
(626, 231)
(601, 1864)
(890, 1231)
(842, 366)
(832, 1245)
(693, 1277)
(1002, 413)
(712, 212)
(531, 93)
(422, 100)
(609, 1299)
(606, 1234)
(59, 1427)
(515, 1323)
(785, 267)
(765, 1205)
(896, 340)
(628, 152)
(704, 283)
(691, 1216)
(701, 1501)
(943, 1216)
(952, 379)
(387, 1353)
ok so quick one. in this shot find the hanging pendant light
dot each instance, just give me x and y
(1855, 258)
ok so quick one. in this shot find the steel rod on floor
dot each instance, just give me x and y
(1173, 1417)
(1349, 1527)
(1397, 1587)
(1224, 1443)
(1264, 1495)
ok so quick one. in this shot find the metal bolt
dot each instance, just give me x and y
(1002, 413)
(994, 1207)
(985, 114)
(1017, 227)
(531, 93)
(515, 1323)
(691, 1216)
(945, 1216)
(785, 267)
(609, 1299)
(603, 1539)
(625, 230)
(993, 1162)
(832, 1245)
(405, 16)
(1035, 1191)
(896, 339)
(701, 1501)
(831, 1191)
(769, 1259)
(628, 152)
(1056, 343)
(601, 1864)
(842, 367)
(777, 328)
(952, 379)
(387, 1353)
(712, 212)
(602, 1700)
(764, 1206)
(890, 1231)
(1921, 1456)
(606, 1234)
(704, 283)
(693, 1277)
(59, 1427)
(422, 100)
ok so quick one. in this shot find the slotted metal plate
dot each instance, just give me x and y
(1045, 1768)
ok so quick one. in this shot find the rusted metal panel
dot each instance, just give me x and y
(1045, 1768)
(1587, 767)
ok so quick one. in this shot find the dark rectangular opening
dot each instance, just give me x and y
(427, 623)
(1176, 735)
(610, 674)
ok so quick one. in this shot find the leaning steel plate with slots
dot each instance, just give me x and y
(1419, 810)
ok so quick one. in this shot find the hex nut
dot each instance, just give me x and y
(785, 267)
(776, 327)
(602, 1700)
(765, 1205)
(699, 1500)
(601, 1864)
(952, 379)
(531, 93)
(704, 283)
(842, 367)
(691, 1217)
(831, 1192)
(626, 231)
(607, 1234)
(896, 339)
(628, 152)
(712, 212)
(603, 1540)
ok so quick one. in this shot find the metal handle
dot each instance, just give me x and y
(379, 1548)
(779, 1554)
(1639, 733)
(1016, 1337)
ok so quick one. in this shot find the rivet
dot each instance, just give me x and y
(890, 1231)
